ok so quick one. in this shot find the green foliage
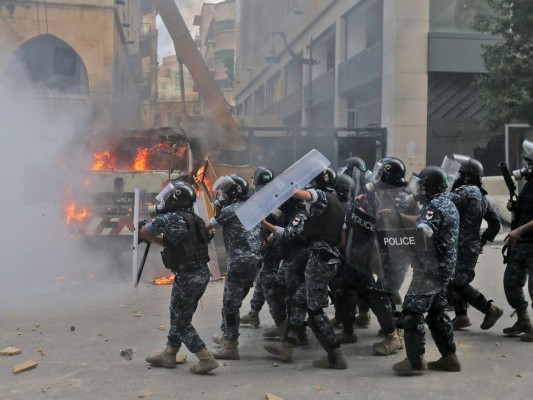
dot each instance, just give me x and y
(507, 89)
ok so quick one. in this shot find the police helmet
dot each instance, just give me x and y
(344, 185)
(471, 170)
(326, 179)
(393, 171)
(262, 176)
(242, 186)
(351, 164)
(528, 149)
(433, 180)
(182, 197)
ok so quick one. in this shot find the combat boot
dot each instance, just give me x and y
(206, 362)
(405, 368)
(165, 359)
(282, 350)
(275, 330)
(491, 317)
(461, 322)
(340, 361)
(397, 298)
(523, 325)
(363, 319)
(217, 338)
(229, 350)
(527, 337)
(447, 363)
(391, 344)
(252, 318)
(344, 337)
(336, 323)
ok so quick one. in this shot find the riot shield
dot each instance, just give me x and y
(276, 192)
(139, 213)
(200, 208)
(451, 167)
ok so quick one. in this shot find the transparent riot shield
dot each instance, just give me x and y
(200, 208)
(276, 192)
(140, 212)
(451, 167)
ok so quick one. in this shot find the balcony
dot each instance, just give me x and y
(361, 68)
(323, 88)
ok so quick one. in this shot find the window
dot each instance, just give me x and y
(273, 90)
(64, 61)
(352, 112)
(225, 25)
(259, 103)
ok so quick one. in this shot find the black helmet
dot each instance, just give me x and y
(326, 179)
(262, 176)
(343, 186)
(471, 171)
(433, 180)
(393, 171)
(183, 197)
(242, 190)
(353, 163)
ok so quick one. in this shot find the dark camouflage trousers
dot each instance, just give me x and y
(294, 276)
(519, 269)
(239, 279)
(437, 320)
(258, 297)
(269, 280)
(187, 289)
(321, 268)
(462, 292)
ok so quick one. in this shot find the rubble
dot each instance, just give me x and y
(127, 354)
(10, 351)
(25, 366)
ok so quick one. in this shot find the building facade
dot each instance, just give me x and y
(90, 59)
(406, 67)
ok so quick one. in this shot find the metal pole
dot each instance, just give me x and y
(309, 100)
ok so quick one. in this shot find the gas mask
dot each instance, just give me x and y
(375, 178)
(162, 198)
(527, 171)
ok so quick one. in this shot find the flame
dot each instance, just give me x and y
(71, 213)
(164, 280)
(61, 278)
(140, 162)
(102, 161)
(200, 175)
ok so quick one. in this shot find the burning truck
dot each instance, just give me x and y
(99, 201)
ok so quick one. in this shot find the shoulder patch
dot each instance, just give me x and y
(429, 214)
(296, 221)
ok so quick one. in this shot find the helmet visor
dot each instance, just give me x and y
(165, 193)
(451, 168)
(223, 184)
(528, 148)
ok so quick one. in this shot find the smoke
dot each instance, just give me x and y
(188, 9)
(38, 257)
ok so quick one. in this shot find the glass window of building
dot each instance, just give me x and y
(364, 26)
(456, 16)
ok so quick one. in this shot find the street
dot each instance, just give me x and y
(76, 332)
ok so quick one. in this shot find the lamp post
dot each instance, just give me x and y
(274, 58)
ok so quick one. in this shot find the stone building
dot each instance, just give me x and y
(90, 59)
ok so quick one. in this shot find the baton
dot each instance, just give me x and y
(140, 271)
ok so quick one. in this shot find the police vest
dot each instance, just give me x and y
(525, 208)
(327, 226)
(191, 251)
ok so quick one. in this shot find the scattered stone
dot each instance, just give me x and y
(127, 354)
(318, 388)
(504, 355)
(275, 364)
(10, 351)
(42, 351)
(181, 358)
(518, 375)
(161, 327)
(72, 328)
(25, 366)
(270, 396)
(137, 315)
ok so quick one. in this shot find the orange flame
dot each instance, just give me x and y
(102, 161)
(71, 213)
(200, 175)
(140, 163)
(164, 280)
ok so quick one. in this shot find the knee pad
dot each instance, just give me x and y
(411, 321)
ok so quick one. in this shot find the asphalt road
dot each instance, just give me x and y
(77, 329)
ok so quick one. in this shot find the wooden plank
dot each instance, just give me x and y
(25, 366)
(270, 396)
(10, 351)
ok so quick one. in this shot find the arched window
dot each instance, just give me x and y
(51, 64)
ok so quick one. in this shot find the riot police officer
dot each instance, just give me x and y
(432, 272)
(473, 206)
(520, 258)
(243, 260)
(185, 239)
(262, 176)
(324, 232)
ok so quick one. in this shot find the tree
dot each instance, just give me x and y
(507, 88)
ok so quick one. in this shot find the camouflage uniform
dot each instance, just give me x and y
(243, 258)
(322, 266)
(268, 280)
(432, 272)
(520, 263)
(473, 206)
(188, 287)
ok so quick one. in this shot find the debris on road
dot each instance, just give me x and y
(25, 366)
(72, 328)
(41, 351)
(270, 396)
(181, 358)
(10, 351)
(127, 354)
